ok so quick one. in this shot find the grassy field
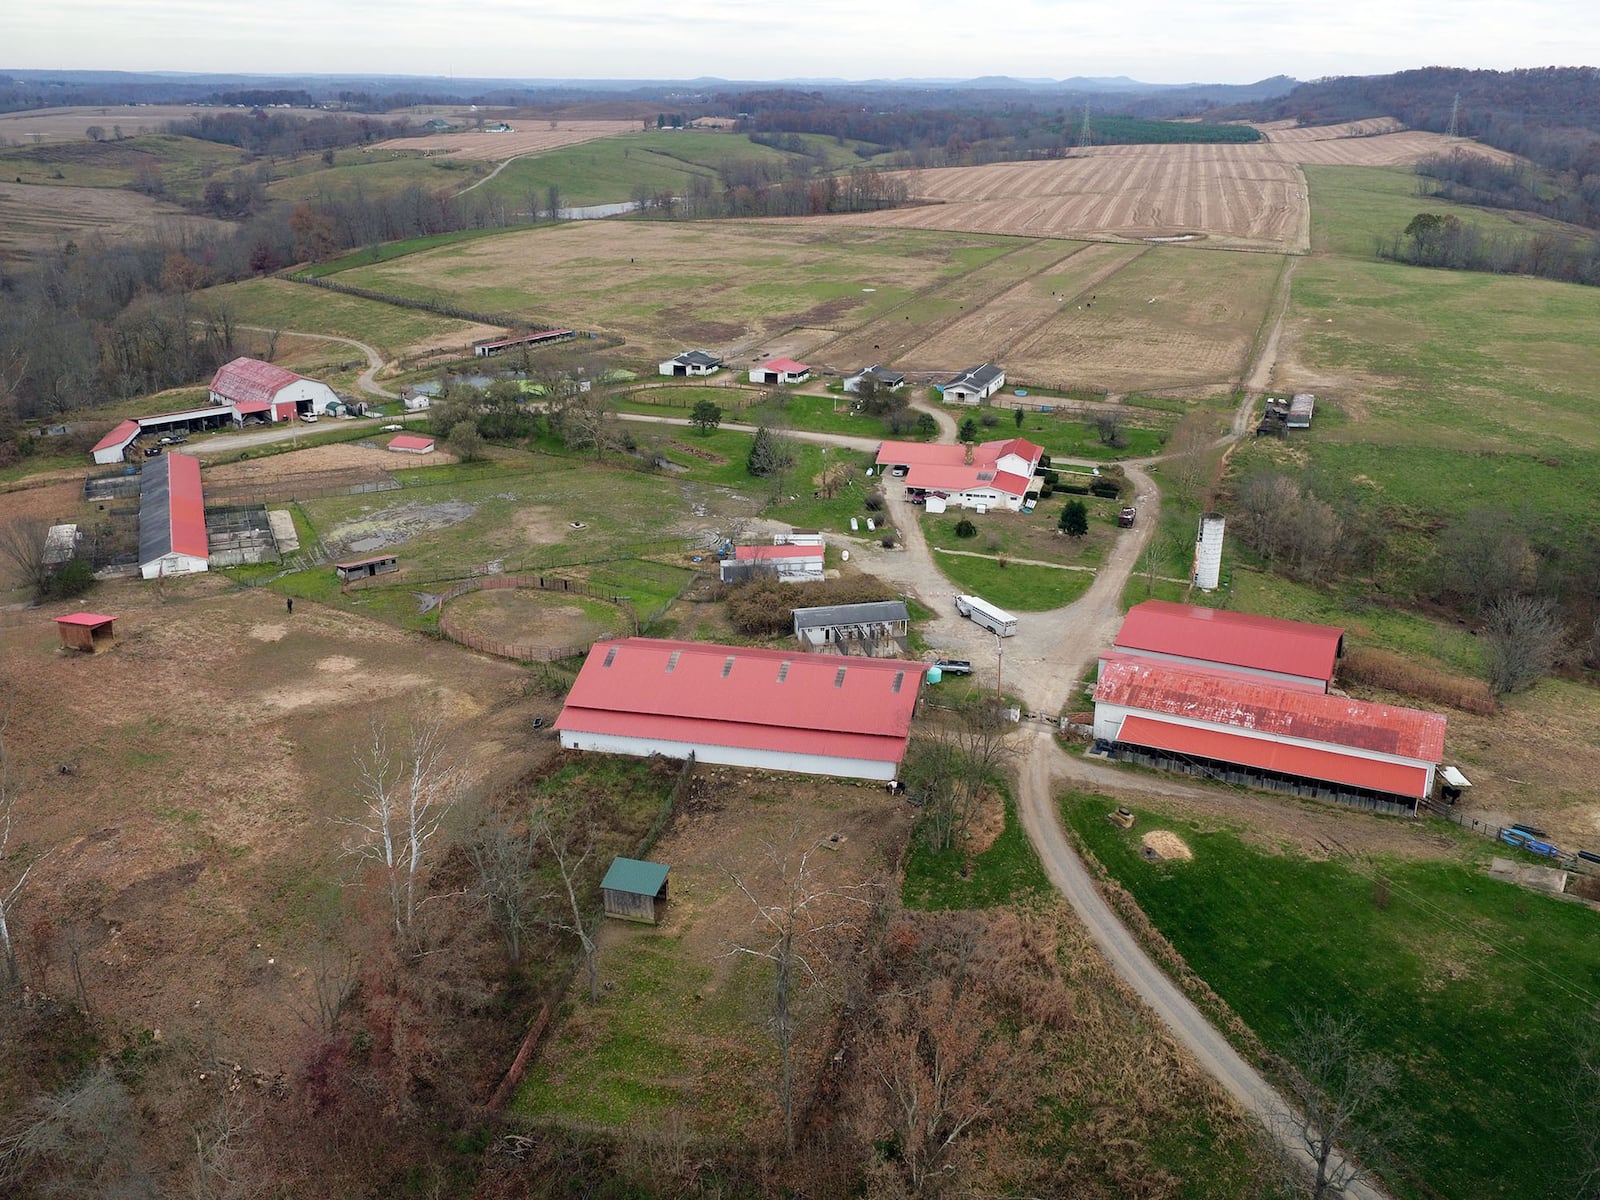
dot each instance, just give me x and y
(1006, 873)
(184, 164)
(1487, 975)
(278, 304)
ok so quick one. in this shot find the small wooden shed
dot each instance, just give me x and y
(366, 568)
(82, 631)
(632, 889)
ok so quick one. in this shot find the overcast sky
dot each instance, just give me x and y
(1158, 41)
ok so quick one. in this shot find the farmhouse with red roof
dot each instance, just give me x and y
(780, 370)
(256, 388)
(778, 710)
(1288, 652)
(996, 474)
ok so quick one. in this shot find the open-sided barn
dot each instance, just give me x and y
(775, 709)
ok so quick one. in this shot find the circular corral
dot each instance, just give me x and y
(525, 622)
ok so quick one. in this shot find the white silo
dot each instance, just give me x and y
(1208, 551)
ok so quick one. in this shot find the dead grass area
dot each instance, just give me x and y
(72, 124)
(680, 1027)
(525, 617)
(186, 785)
(1384, 150)
(1164, 844)
(526, 137)
(36, 217)
(350, 462)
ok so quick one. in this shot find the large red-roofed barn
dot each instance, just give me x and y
(778, 710)
(172, 518)
(1288, 652)
(257, 388)
(1241, 729)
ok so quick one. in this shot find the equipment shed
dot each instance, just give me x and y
(632, 889)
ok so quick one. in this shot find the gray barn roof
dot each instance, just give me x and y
(850, 614)
(698, 358)
(155, 510)
(976, 378)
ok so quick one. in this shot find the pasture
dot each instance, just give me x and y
(38, 217)
(1490, 978)
(41, 125)
(527, 136)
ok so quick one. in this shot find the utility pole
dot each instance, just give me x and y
(1454, 129)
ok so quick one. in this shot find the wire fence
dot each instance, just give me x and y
(1495, 832)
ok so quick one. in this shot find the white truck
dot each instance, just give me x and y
(977, 609)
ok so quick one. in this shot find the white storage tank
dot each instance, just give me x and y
(1208, 551)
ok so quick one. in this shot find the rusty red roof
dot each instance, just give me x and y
(1231, 638)
(1352, 770)
(1272, 710)
(251, 379)
(787, 365)
(187, 506)
(410, 441)
(90, 620)
(776, 700)
(760, 553)
(124, 433)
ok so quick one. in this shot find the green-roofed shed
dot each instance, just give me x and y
(632, 889)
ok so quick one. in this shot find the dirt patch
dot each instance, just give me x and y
(497, 147)
(527, 617)
(541, 526)
(392, 526)
(338, 459)
(1164, 844)
(988, 826)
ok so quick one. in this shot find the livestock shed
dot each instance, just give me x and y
(1292, 653)
(973, 385)
(544, 337)
(264, 389)
(789, 563)
(366, 568)
(1229, 727)
(691, 362)
(1300, 410)
(736, 706)
(60, 544)
(411, 443)
(857, 628)
(81, 631)
(631, 889)
(172, 518)
(780, 370)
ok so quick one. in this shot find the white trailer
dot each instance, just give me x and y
(977, 609)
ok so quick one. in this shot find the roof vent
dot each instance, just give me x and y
(727, 666)
(672, 661)
(838, 679)
(899, 678)
(783, 670)
(611, 657)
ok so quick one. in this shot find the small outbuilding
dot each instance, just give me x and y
(366, 568)
(632, 889)
(780, 370)
(886, 379)
(86, 631)
(691, 362)
(974, 385)
(411, 443)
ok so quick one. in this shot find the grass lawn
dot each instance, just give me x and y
(1143, 434)
(279, 304)
(1013, 587)
(1008, 872)
(1466, 983)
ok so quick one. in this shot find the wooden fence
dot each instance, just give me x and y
(543, 583)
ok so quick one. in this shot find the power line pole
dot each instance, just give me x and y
(1085, 135)
(1454, 130)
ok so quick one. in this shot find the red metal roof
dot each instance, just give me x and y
(1271, 710)
(1231, 638)
(943, 454)
(735, 696)
(251, 379)
(1214, 672)
(120, 436)
(89, 620)
(747, 553)
(410, 441)
(246, 407)
(1349, 769)
(787, 365)
(187, 506)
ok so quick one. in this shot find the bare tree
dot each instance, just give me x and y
(1108, 423)
(9, 895)
(793, 931)
(1526, 640)
(563, 837)
(951, 764)
(22, 545)
(504, 860)
(334, 970)
(78, 1141)
(1191, 456)
(406, 794)
(1581, 1093)
(1347, 1121)
(1484, 556)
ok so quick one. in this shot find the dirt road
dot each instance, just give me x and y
(366, 382)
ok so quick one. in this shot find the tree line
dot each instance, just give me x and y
(1444, 240)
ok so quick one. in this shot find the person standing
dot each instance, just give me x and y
(289, 603)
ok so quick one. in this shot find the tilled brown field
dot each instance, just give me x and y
(1240, 197)
(528, 137)
(1400, 149)
(34, 217)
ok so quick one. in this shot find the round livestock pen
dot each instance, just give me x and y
(532, 618)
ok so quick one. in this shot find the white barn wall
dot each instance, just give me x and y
(173, 564)
(732, 756)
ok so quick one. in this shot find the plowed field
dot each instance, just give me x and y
(35, 217)
(496, 147)
(1382, 150)
(1238, 197)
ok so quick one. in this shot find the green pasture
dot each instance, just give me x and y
(1353, 207)
(375, 172)
(298, 307)
(1469, 985)
(1069, 437)
(1007, 873)
(184, 164)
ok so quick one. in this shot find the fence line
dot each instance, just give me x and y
(1493, 829)
(541, 583)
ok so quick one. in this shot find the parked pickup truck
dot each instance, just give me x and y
(953, 666)
(1127, 517)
